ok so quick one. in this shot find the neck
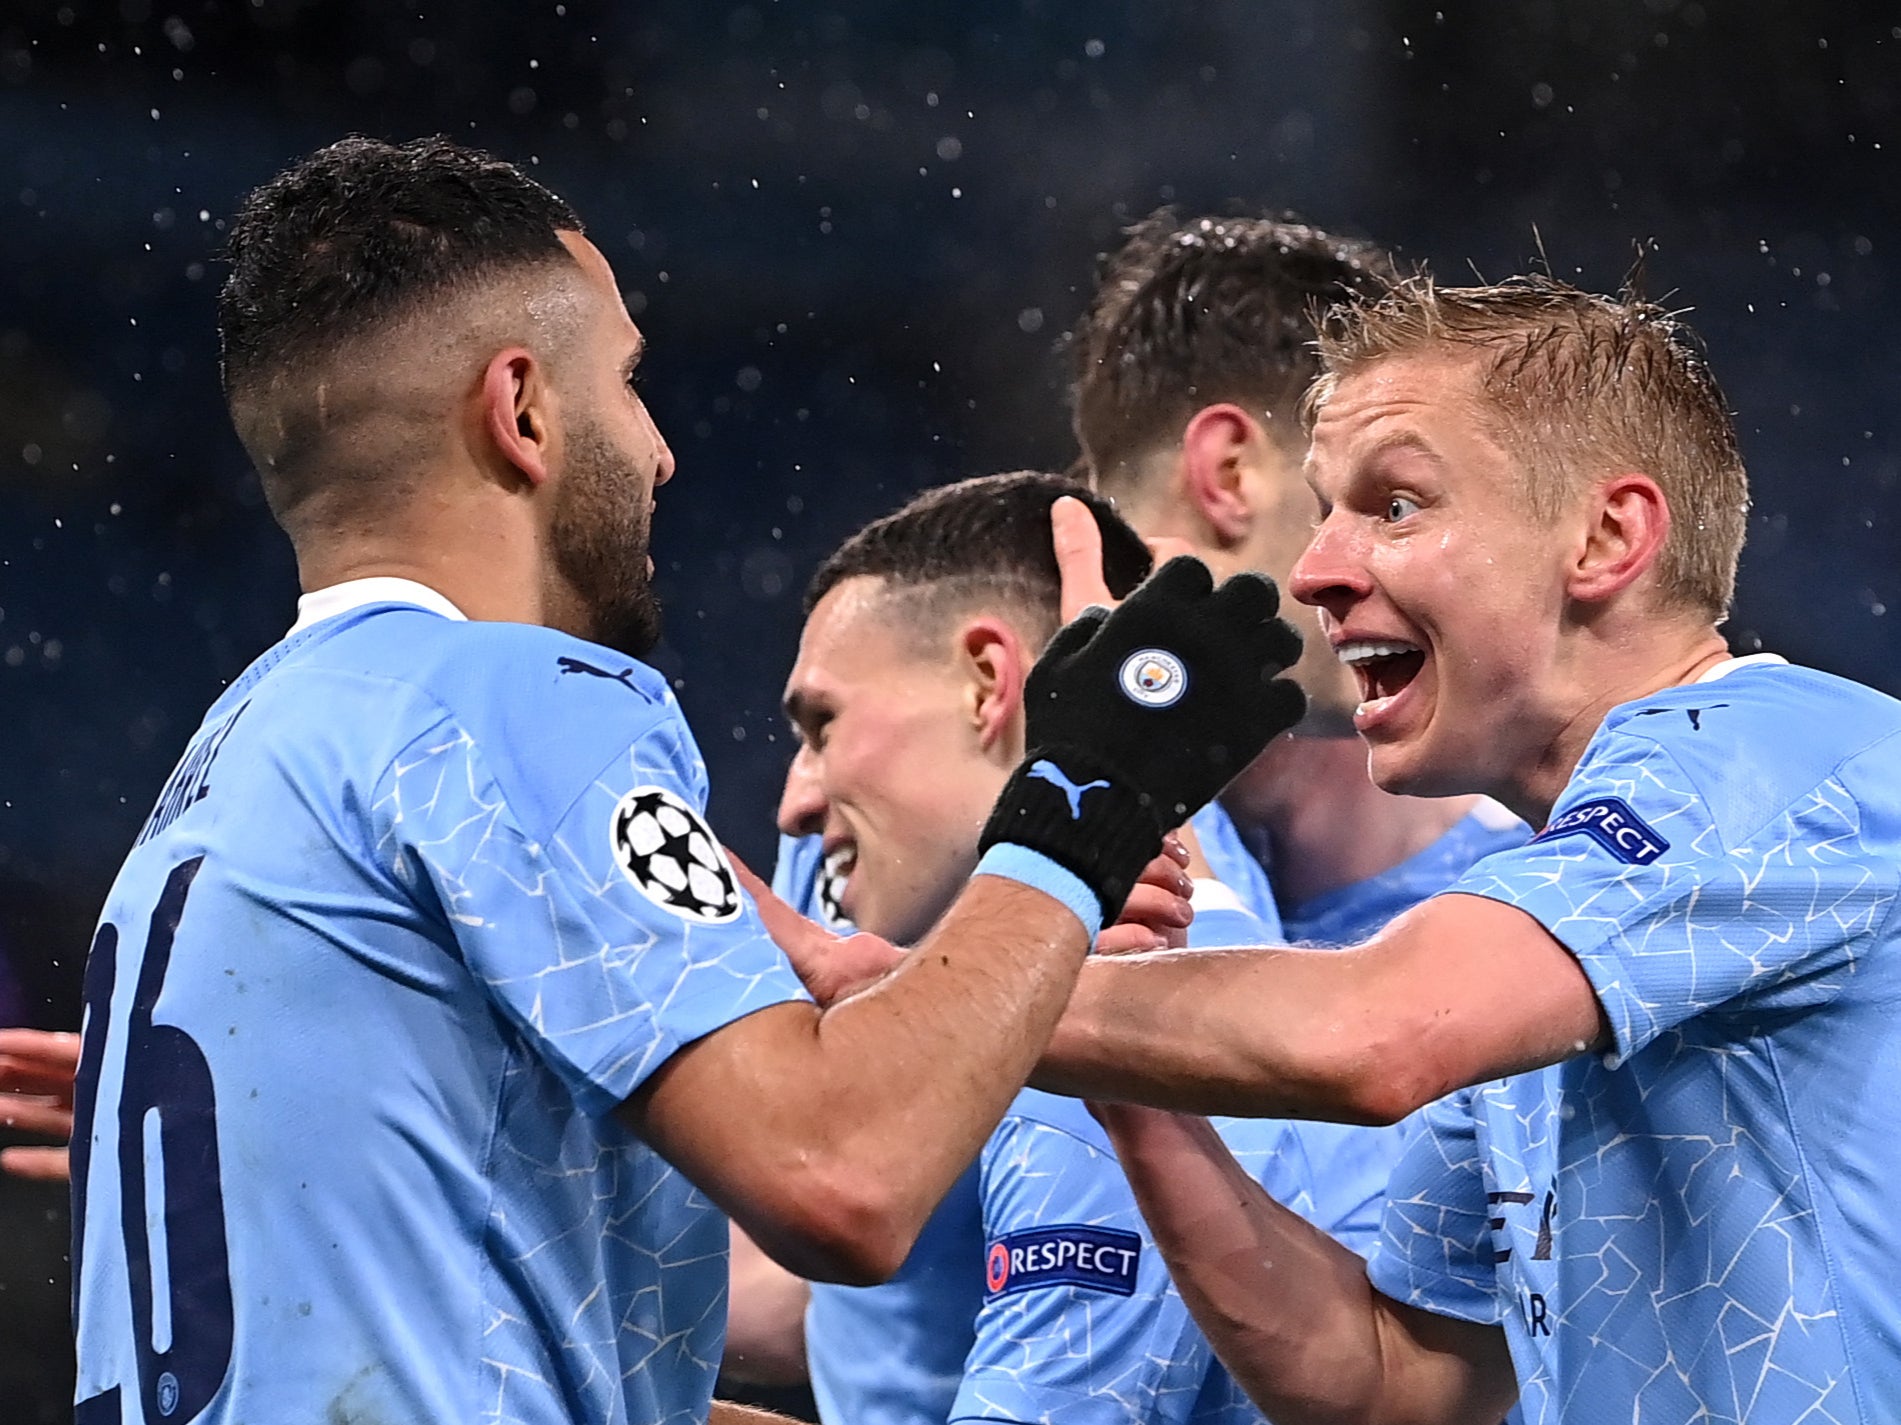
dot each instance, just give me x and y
(1646, 664)
(1326, 824)
(479, 560)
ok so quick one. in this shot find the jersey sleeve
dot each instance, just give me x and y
(610, 938)
(1672, 915)
(1079, 1323)
(1435, 1247)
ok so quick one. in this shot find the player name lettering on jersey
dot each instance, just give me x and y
(191, 780)
(1101, 1258)
(1610, 822)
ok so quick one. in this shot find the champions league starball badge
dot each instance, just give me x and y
(1153, 677)
(666, 850)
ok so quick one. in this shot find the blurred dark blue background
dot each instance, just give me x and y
(853, 234)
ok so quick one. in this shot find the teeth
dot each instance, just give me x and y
(1361, 649)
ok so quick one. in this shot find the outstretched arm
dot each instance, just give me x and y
(857, 1119)
(1289, 1310)
(1458, 990)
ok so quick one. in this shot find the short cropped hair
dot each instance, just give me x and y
(353, 238)
(981, 543)
(1188, 313)
(1581, 387)
(364, 231)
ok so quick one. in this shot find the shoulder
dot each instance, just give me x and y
(545, 711)
(1747, 747)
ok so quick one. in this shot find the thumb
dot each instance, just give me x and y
(1078, 541)
(792, 932)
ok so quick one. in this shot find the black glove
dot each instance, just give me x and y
(1137, 717)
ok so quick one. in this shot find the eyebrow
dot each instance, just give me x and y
(1397, 440)
(799, 707)
(1403, 440)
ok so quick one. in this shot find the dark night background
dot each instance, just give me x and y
(853, 235)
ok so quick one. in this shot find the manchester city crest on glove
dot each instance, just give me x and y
(1153, 677)
(669, 853)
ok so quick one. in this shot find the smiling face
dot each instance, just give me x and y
(894, 769)
(1434, 582)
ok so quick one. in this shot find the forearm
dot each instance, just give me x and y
(765, 1319)
(731, 1412)
(921, 1066)
(856, 1120)
(1290, 1311)
(1262, 1033)
(1457, 991)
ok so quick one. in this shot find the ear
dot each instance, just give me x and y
(517, 412)
(1629, 520)
(1215, 444)
(996, 665)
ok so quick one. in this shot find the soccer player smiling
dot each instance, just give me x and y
(1667, 1018)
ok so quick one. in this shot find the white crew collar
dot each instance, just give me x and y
(1748, 660)
(321, 604)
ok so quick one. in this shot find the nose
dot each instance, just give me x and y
(802, 805)
(663, 467)
(1331, 572)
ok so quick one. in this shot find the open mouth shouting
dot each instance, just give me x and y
(1385, 669)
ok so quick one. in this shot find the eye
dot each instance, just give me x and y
(1400, 506)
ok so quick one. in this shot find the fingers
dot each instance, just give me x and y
(1176, 849)
(1160, 910)
(1184, 577)
(22, 1114)
(42, 1047)
(792, 932)
(1281, 643)
(1073, 635)
(1165, 874)
(1123, 939)
(46, 1165)
(1283, 704)
(1249, 598)
(40, 1074)
(1078, 541)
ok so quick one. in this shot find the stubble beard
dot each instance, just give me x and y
(601, 538)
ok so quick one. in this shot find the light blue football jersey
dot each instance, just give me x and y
(1351, 914)
(946, 1338)
(424, 900)
(1697, 1225)
(890, 1354)
(1080, 1321)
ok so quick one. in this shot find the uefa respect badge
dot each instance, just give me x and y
(1071, 1254)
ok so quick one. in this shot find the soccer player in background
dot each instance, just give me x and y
(1189, 368)
(908, 700)
(1658, 1190)
(428, 1032)
(897, 1352)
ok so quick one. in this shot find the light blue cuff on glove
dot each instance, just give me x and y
(1039, 873)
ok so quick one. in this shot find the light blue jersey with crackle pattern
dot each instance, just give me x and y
(947, 1338)
(1697, 1226)
(421, 905)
